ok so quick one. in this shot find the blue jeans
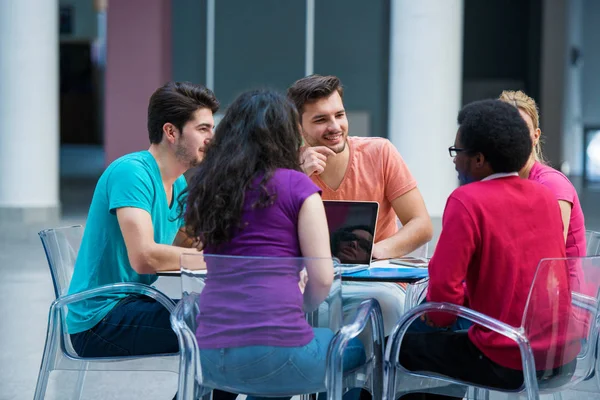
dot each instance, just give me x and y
(419, 326)
(272, 370)
(461, 324)
(137, 325)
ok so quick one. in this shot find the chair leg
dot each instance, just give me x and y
(81, 380)
(187, 387)
(480, 394)
(48, 357)
(557, 396)
(201, 393)
(42, 384)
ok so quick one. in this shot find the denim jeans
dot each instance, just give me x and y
(272, 370)
(137, 325)
(419, 326)
(460, 324)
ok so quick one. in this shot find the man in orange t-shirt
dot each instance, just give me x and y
(363, 169)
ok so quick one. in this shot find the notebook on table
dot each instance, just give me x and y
(351, 232)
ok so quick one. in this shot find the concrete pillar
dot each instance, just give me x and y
(138, 61)
(553, 74)
(425, 91)
(572, 135)
(29, 126)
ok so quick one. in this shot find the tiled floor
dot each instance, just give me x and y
(26, 293)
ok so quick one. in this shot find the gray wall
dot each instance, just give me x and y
(261, 43)
(352, 42)
(188, 24)
(258, 43)
(85, 24)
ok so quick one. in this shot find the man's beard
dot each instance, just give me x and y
(341, 148)
(185, 157)
(464, 179)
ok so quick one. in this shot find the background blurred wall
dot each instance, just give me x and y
(84, 21)
(261, 43)
(591, 63)
(139, 61)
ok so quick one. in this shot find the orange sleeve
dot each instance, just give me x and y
(397, 177)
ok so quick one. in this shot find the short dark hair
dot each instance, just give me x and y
(312, 88)
(497, 130)
(175, 102)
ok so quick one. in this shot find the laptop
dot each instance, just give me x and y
(351, 232)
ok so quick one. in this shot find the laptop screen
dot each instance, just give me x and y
(351, 230)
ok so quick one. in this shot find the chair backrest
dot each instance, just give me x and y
(559, 318)
(194, 278)
(61, 246)
(255, 271)
(592, 240)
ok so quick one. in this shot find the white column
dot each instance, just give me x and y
(425, 91)
(309, 48)
(572, 129)
(210, 44)
(29, 137)
(553, 73)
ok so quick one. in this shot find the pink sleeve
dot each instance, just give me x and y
(448, 266)
(559, 185)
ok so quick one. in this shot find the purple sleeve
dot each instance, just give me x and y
(301, 188)
(559, 184)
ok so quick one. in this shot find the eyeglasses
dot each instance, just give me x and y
(453, 151)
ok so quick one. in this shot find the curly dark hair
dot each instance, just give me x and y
(496, 130)
(312, 88)
(176, 102)
(258, 134)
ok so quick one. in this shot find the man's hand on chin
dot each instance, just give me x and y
(313, 160)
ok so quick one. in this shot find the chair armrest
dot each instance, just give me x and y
(182, 309)
(414, 294)
(190, 368)
(117, 288)
(368, 313)
(392, 351)
(585, 302)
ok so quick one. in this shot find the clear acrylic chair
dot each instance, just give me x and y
(193, 384)
(61, 246)
(416, 293)
(574, 325)
(592, 240)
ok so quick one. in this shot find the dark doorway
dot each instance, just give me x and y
(502, 48)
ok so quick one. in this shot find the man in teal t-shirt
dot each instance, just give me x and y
(134, 227)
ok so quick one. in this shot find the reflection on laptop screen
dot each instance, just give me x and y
(351, 230)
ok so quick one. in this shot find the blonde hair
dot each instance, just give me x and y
(523, 102)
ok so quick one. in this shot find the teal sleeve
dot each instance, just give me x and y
(130, 185)
(181, 190)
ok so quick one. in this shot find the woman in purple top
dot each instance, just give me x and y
(250, 198)
(536, 170)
